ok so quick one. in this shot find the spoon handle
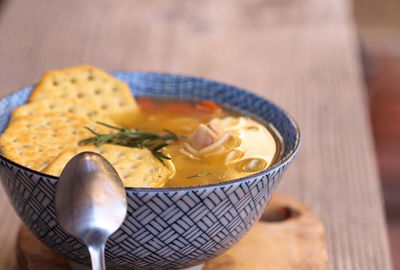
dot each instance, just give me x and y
(97, 257)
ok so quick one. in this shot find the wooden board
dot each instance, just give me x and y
(288, 236)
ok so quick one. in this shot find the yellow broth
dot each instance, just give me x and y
(183, 118)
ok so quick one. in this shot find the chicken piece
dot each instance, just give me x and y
(204, 135)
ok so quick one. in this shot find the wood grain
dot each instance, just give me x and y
(301, 54)
(288, 236)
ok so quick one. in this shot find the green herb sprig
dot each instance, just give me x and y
(133, 138)
(199, 175)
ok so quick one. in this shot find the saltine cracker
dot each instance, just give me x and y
(84, 107)
(136, 167)
(110, 94)
(35, 141)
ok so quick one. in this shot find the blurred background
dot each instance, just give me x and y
(378, 24)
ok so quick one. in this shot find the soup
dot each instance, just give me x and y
(214, 145)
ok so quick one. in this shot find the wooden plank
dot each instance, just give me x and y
(301, 54)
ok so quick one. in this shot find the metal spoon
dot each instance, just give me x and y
(91, 202)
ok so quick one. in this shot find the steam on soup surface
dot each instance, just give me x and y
(215, 144)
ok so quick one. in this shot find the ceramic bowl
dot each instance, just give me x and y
(165, 228)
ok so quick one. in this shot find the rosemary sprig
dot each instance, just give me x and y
(199, 175)
(133, 138)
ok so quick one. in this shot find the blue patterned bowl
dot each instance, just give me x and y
(165, 228)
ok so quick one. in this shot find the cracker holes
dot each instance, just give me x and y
(104, 106)
(139, 157)
(73, 81)
(90, 77)
(122, 103)
(115, 88)
(126, 175)
(97, 91)
(79, 95)
(55, 83)
(133, 166)
(92, 113)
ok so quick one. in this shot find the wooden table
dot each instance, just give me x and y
(301, 54)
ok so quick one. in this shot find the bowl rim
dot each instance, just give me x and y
(279, 163)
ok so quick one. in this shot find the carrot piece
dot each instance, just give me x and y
(146, 104)
(208, 106)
